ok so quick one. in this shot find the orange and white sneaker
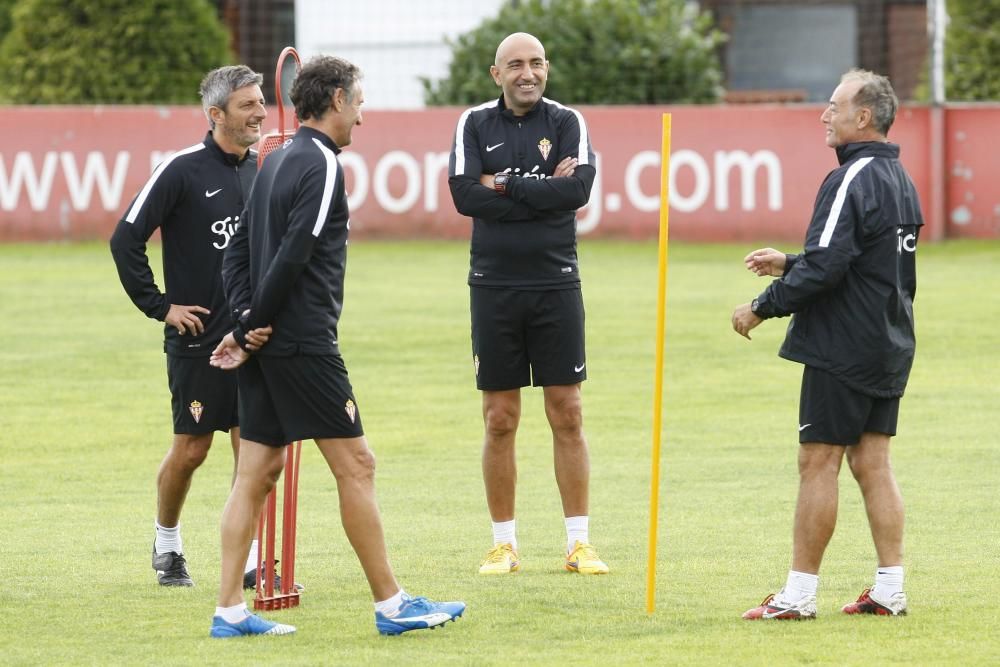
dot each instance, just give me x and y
(774, 608)
(501, 559)
(866, 604)
(584, 559)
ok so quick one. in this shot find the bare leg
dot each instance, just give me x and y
(869, 462)
(234, 439)
(173, 480)
(258, 471)
(564, 409)
(501, 415)
(816, 509)
(353, 464)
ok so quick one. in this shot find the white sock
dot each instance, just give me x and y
(577, 530)
(251, 565)
(799, 585)
(888, 582)
(503, 533)
(168, 539)
(233, 614)
(390, 607)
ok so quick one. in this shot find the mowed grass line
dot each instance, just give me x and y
(84, 422)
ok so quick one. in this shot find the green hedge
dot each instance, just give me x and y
(110, 51)
(600, 52)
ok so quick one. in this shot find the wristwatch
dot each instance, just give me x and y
(500, 182)
(754, 305)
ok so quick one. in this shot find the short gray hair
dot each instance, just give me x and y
(876, 93)
(221, 82)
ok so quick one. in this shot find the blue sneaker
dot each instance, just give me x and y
(418, 614)
(249, 626)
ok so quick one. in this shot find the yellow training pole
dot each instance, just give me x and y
(661, 319)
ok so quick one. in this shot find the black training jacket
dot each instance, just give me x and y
(525, 238)
(195, 198)
(287, 260)
(851, 290)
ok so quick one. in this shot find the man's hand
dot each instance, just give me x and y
(185, 319)
(744, 320)
(257, 338)
(565, 168)
(487, 180)
(766, 262)
(228, 355)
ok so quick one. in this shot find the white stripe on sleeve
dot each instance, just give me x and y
(460, 136)
(133, 212)
(332, 171)
(838, 201)
(582, 155)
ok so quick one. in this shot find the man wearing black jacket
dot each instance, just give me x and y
(194, 197)
(521, 166)
(850, 293)
(286, 267)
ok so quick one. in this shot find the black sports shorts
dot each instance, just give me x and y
(522, 337)
(284, 399)
(203, 398)
(832, 413)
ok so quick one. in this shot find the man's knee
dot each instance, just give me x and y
(564, 410)
(820, 460)
(501, 417)
(870, 457)
(190, 451)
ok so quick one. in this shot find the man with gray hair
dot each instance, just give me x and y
(195, 198)
(850, 293)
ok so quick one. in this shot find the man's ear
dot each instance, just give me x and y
(217, 114)
(339, 100)
(864, 118)
(495, 73)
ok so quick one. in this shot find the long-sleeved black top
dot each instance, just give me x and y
(525, 238)
(287, 260)
(851, 289)
(195, 198)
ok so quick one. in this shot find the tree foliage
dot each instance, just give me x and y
(972, 50)
(600, 52)
(110, 51)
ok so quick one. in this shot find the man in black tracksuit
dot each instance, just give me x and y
(851, 296)
(285, 268)
(194, 198)
(521, 166)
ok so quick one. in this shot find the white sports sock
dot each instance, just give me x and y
(799, 585)
(888, 582)
(233, 614)
(390, 607)
(503, 533)
(577, 530)
(168, 539)
(251, 565)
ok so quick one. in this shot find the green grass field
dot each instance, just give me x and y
(85, 420)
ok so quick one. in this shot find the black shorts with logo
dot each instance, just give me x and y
(522, 337)
(203, 398)
(284, 399)
(832, 413)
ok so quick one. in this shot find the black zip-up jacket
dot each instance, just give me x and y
(851, 290)
(287, 260)
(525, 238)
(195, 198)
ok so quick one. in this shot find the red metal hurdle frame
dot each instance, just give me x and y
(267, 597)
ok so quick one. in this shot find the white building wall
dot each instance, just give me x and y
(394, 42)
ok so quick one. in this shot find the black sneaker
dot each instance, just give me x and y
(171, 569)
(250, 580)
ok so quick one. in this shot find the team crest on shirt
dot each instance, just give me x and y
(350, 409)
(544, 147)
(475, 362)
(196, 409)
